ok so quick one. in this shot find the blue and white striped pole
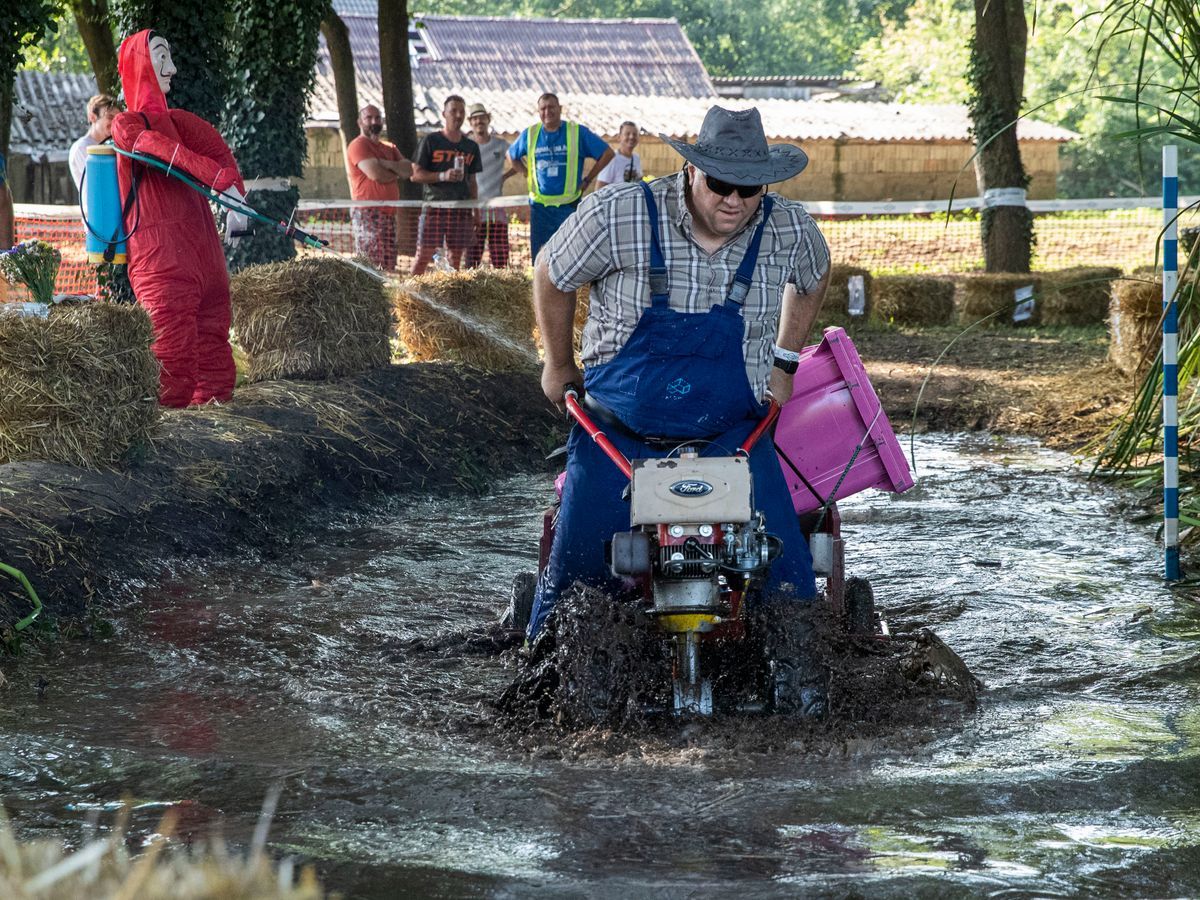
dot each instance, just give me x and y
(1170, 357)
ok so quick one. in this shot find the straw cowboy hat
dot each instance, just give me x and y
(732, 146)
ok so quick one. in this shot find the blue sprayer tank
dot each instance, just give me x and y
(103, 202)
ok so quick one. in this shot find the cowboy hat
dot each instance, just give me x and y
(732, 146)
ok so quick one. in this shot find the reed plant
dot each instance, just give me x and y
(1165, 100)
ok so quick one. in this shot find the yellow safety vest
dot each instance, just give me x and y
(570, 184)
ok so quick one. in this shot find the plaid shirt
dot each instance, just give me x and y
(607, 242)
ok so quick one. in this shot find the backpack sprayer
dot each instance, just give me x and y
(104, 217)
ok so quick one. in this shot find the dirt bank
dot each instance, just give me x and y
(252, 472)
(220, 478)
(1054, 384)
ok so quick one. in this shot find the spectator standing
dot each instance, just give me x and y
(375, 167)
(551, 155)
(626, 165)
(491, 229)
(101, 110)
(446, 165)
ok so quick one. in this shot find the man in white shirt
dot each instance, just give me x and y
(101, 110)
(492, 230)
(626, 165)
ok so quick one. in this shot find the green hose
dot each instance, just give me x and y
(37, 604)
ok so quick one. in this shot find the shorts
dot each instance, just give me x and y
(375, 235)
(455, 227)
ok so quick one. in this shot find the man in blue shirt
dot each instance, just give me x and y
(555, 178)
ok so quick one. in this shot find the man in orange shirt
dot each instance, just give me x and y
(375, 167)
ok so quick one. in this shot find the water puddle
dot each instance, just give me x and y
(1077, 775)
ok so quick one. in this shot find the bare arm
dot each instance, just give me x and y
(386, 171)
(600, 165)
(797, 315)
(555, 314)
(425, 176)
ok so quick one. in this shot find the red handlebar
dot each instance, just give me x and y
(760, 428)
(576, 412)
(610, 450)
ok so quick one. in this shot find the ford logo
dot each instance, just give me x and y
(691, 488)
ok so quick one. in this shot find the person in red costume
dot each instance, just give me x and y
(176, 264)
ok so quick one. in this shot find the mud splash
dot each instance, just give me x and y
(598, 679)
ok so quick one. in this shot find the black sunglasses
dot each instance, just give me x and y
(724, 188)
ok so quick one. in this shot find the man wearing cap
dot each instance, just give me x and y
(550, 154)
(704, 289)
(491, 232)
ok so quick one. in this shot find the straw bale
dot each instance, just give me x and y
(983, 293)
(495, 332)
(1077, 296)
(311, 317)
(912, 300)
(1134, 322)
(837, 297)
(79, 387)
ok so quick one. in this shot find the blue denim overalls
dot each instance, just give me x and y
(680, 375)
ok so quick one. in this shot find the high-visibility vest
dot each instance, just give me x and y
(570, 184)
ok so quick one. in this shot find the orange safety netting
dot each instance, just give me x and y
(882, 243)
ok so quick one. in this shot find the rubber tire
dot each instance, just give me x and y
(520, 604)
(860, 607)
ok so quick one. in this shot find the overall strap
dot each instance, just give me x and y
(659, 284)
(745, 272)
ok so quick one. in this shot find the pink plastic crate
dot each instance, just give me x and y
(826, 418)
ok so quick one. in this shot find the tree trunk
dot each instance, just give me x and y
(997, 80)
(396, 73)
(345, 85)
(92, 19)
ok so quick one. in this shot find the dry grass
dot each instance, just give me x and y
(984, 293)
(912, 300)
(103, 869)
(80, 387)
(311, 317)
(1078, 296)
(483, 317)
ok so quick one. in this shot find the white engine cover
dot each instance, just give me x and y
(691, 491)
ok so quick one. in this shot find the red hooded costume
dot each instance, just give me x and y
(176, 264)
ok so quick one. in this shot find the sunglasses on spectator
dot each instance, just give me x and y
(724, 188)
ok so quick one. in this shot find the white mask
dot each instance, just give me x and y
(160, 61)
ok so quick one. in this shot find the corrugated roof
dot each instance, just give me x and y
(635, 56)
(791, 120)
(58, 102)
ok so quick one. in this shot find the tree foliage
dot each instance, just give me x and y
(196, 31)
(273, 52)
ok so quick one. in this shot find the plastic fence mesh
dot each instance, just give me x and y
(889, 238)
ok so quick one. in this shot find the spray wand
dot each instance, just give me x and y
(230, 202)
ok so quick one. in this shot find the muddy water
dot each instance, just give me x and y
(1078, 775)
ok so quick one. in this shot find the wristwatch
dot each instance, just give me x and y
(788, 360)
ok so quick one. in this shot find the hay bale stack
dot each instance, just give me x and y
(1135, 324)
(495, 332)
(79, 387)
(311, 317)
(837, 297)
(912, 300)
(1078, 296)
(983, 293)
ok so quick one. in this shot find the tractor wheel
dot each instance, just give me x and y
(860, 607)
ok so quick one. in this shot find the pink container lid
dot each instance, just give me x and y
(832, 410)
